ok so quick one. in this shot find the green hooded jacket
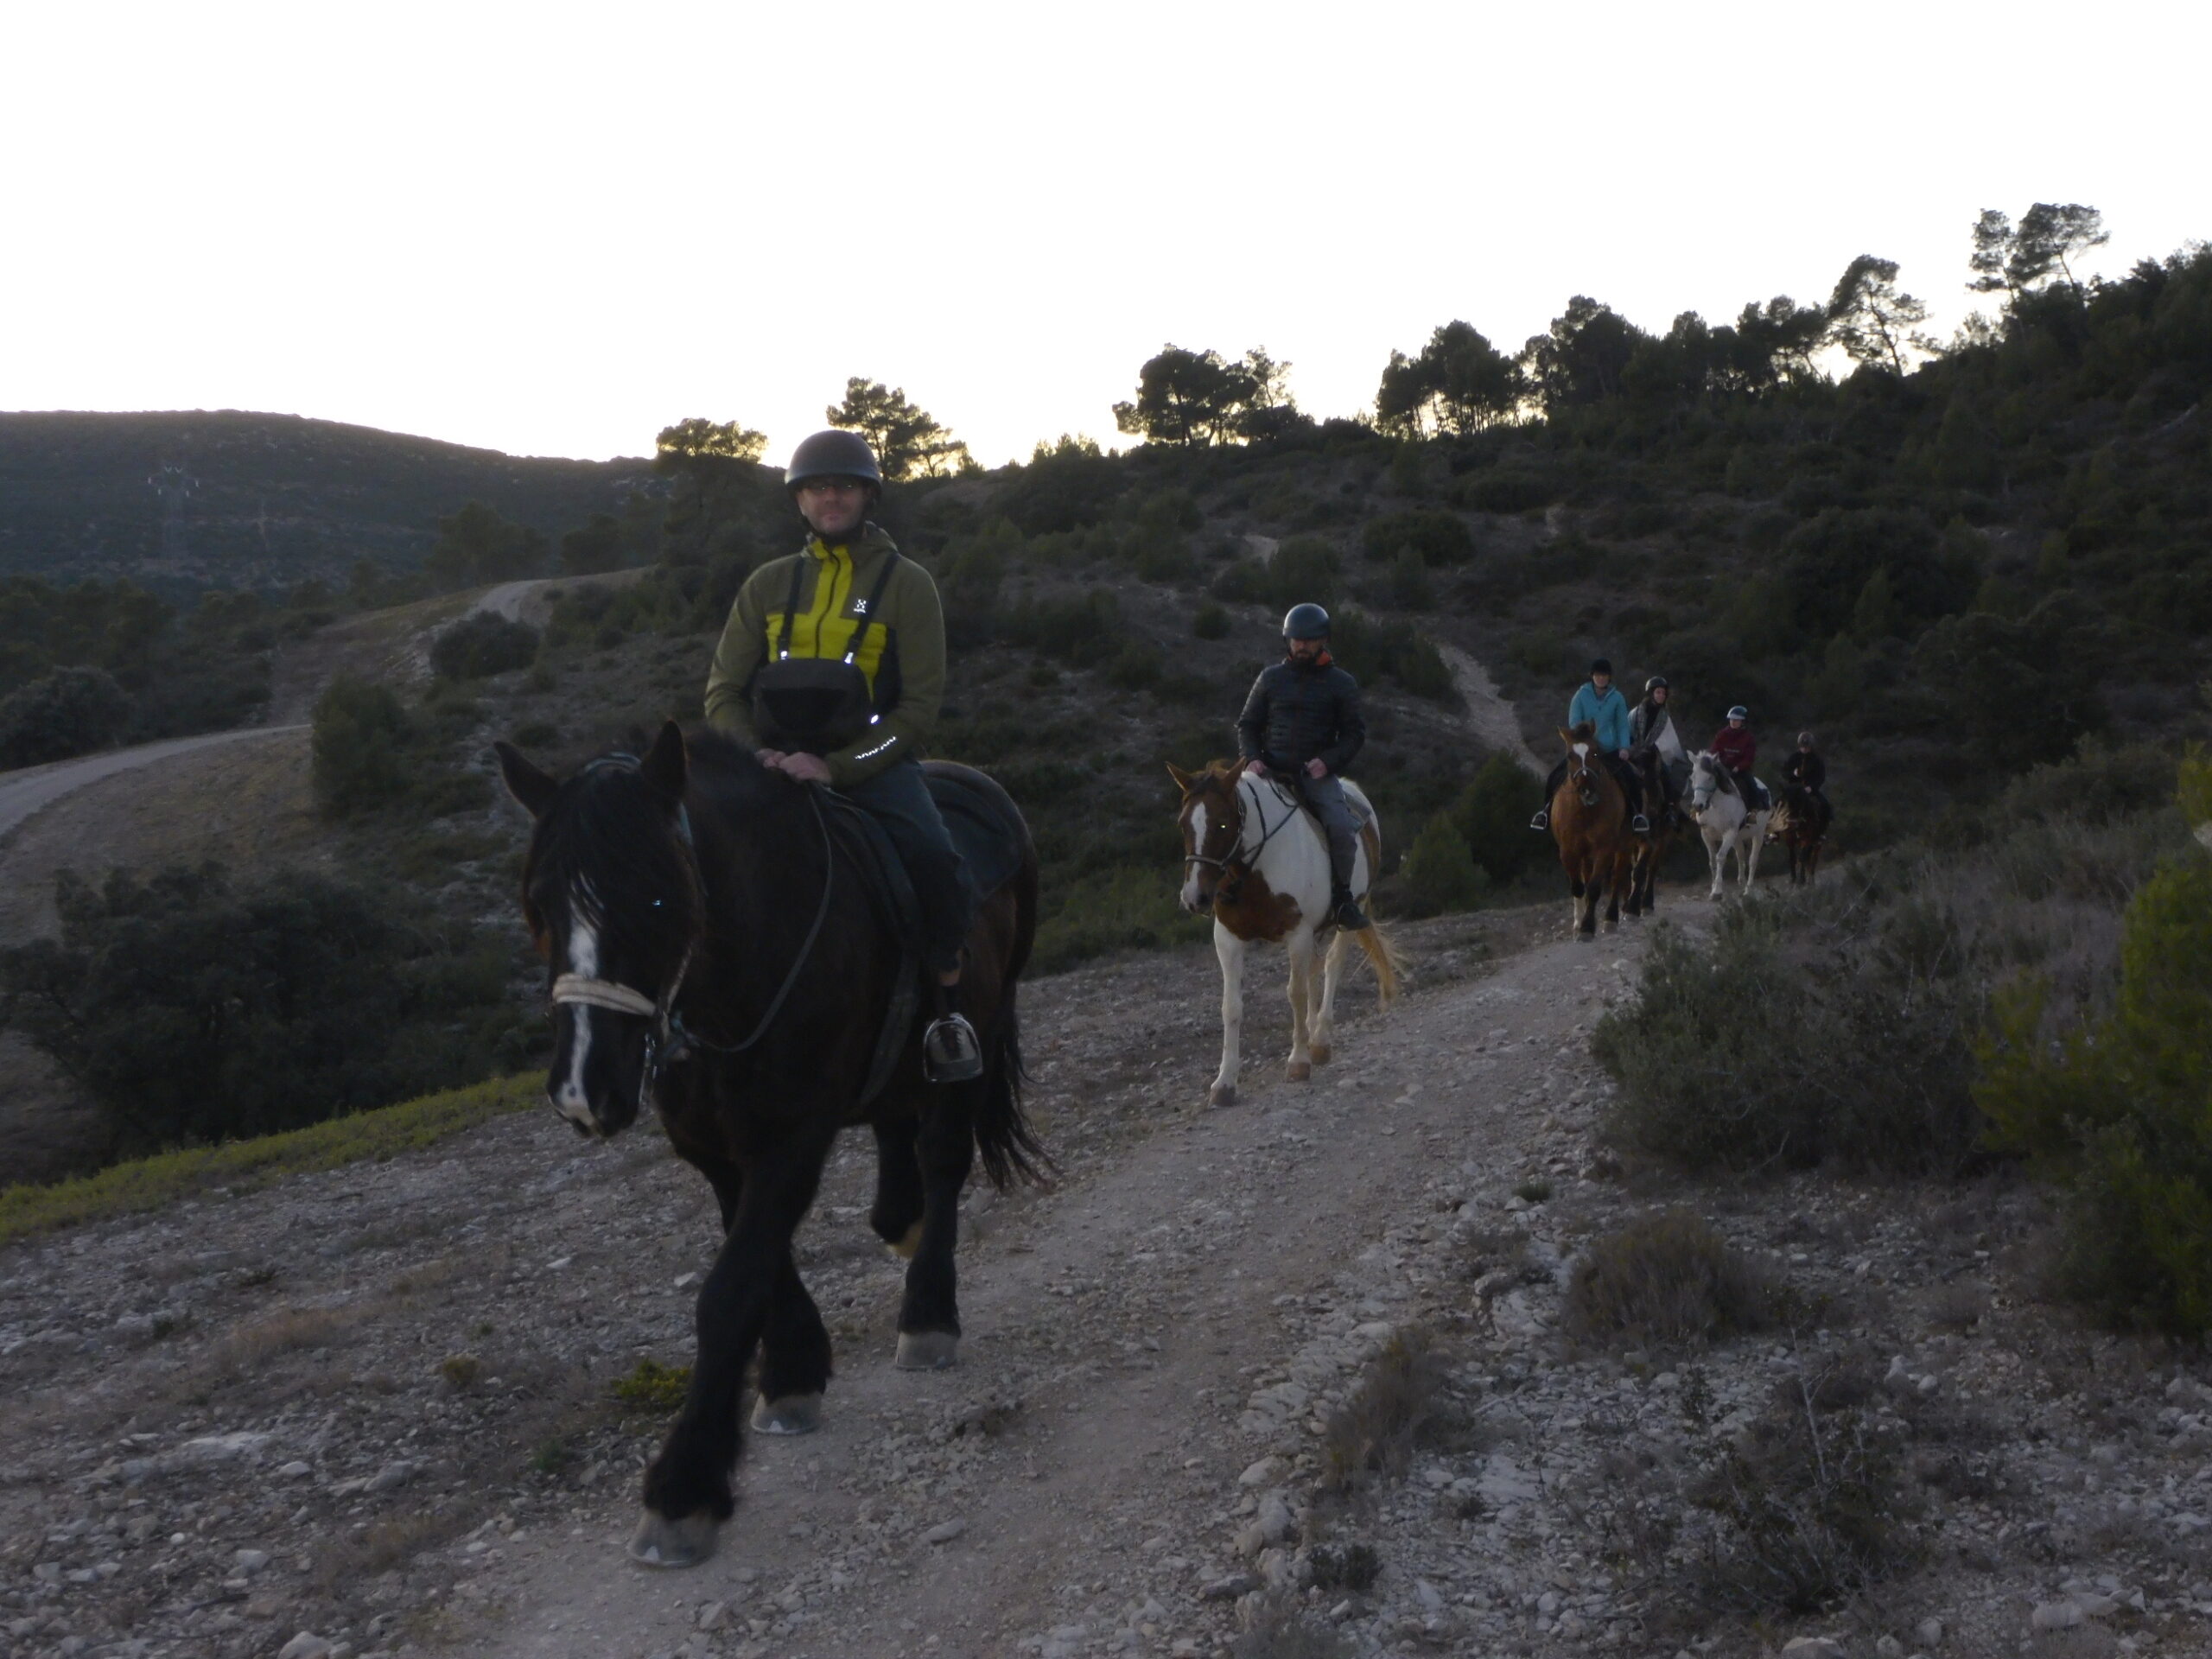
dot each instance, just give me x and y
(901, 649)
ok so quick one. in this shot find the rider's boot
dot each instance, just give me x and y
(1344, 910)
(1542, 820)
(951, 1052)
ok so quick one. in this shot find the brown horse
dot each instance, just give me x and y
(1801, 826)
(1589, 821)
(1649, 851)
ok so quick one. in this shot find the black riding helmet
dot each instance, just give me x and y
(1656, 682)
(1307, 621)
(833, 455)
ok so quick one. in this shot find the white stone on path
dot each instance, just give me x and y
(306, 1646)
(945, 1532)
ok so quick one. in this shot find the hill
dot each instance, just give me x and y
(180, 501)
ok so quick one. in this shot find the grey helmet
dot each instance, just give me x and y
(1805, 739)
(1307, 621)
(1740, 713)
(1656, 682)
(833, 455)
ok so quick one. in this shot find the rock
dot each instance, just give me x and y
(1888, 1647)
(391, 1475)
(1813, 1647)
(296, 1470)
(1250, 1541)
(1266, 1470)
(945, 1532)
(1898, 1379)
(251, 1561)
(714, 1615)
(306, 1646)
(1929, 1632)
(2055, 1616)
(1275, 1520)
(1228, 1588)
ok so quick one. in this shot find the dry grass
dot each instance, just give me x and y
(381, 1546)
(1397, 1404)
(1666, 1280)
(249, 1348)
(1281, 1632)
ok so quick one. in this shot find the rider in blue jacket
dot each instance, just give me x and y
(1600, 703)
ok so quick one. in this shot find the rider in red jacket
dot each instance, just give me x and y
(1738, 749)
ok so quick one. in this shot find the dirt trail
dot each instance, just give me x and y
(22, 793)
(1488, 712)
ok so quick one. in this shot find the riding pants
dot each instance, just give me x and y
(899, 799)
(1326, 796)
(1749, 787)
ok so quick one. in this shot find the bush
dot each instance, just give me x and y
(1304, 571)
(360, 748)
(1492, 815)
(1128, 908)
(1442, 538)
(1410, 588)
(1396, 1405)
(1769, 1050)
(1665, 1281)
(1507, 489)
(70, 712)
(1440, 873)
(482, 645)
(1210, 621)
(2118, 1109)
(195, 1012)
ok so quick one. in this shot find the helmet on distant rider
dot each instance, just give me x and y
(1804, 740)
(1307, 621)
(1740, 713)
(1656, 682)
(1601, 665)
(833, 455)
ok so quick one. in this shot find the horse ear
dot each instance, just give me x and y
(1566, 737)
(533, 788)
(666, 766)
(1182, 778)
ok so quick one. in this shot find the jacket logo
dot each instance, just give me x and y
(860, 607)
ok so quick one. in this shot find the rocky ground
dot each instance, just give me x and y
(1301, 1377)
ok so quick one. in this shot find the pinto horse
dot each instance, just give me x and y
(1255, 859)
(1590, 821)
(716, 955)
(1800, 825)
(1728, 821)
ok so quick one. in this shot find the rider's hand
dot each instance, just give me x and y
(1625, 755)
(1257, 768)
(1316, 769)
(807, 768)
(768, 757)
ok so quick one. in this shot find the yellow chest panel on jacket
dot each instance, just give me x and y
(826, 626)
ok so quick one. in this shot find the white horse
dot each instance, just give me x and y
(1260, 863)
(1725, 819)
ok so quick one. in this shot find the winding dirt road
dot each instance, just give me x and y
(22, 793)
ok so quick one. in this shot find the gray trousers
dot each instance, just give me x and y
(897, 798)
(1326, 796)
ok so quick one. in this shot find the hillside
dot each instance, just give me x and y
(178, 501)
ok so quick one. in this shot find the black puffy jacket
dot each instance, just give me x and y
(1299, 712)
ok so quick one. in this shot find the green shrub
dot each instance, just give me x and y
(70, 712)
(1440, 873)
(1410, 588)
(1134, 666)
(1767, 1049)
(1397, 1405)
(1242, 582)
(2121, 1109)
(360, 743)
(1304, 571)
(1668, 1280)
(1492, 815)
(1210, 621)
(1507, 490)
(1442, 538)
(652, 1387)
(193, 1011)
(482, 645)
(1133, 908)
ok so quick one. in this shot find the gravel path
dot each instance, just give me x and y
(22, 793)
(1488, 712)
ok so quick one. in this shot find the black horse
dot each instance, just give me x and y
(718, 955)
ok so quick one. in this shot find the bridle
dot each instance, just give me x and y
(1235, 864)
(1580, 769)
(669, 1040)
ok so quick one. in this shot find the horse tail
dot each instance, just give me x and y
(1004, 1139)
(1382, 957)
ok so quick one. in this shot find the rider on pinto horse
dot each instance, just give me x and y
(1302, 726)
(831, 667)
(1600, 704)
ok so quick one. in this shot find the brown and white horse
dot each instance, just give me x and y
(1257, 860)
(1589, 821)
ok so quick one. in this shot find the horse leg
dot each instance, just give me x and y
(1716, 850)
(929, 1316)
(1320, 1042)
(687, 1488)
(794, 1359)
(1754, 836)
(1594, 889)
(1231, 950)
(896, 1216)
(1299, 945)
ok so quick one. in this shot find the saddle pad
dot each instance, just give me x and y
(986, 825)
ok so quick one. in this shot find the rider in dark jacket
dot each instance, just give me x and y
(1809, 772)
(1302, 725)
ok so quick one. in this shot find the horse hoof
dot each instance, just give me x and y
(1298, 1071)
(660, 1541)
(1222, 1094)
(795, 1413)
(905, 1249)
(1320, 1052)
(927, 1351)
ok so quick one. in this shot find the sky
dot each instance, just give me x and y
(554, 228)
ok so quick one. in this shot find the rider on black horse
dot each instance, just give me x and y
(1302, 726)
(832, 666)
(1807, 771)
(1601, 705)
(1651, 732)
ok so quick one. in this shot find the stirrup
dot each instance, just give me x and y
(1542, 820)
(1345, 911)
(950, 1051)
(1640, 824)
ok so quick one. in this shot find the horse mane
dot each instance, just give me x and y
(607, 843)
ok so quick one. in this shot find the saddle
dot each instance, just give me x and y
(987, 832)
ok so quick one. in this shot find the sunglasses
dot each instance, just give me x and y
(831, 487)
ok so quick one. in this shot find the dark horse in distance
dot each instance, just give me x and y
(718, 954)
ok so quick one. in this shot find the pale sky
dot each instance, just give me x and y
(553, 229)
